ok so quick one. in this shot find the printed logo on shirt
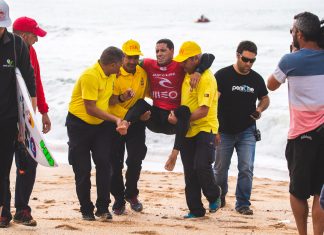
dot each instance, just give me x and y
(163, 68)
(306, 137)
(165, 94)
(10, 64)
(164, 82)
(243, 88)
(206, 95)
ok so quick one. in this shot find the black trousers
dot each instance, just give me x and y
(197, 155)
(7, 139)
(136, 152)
(25, 178)
(158, 122)
(86, 141)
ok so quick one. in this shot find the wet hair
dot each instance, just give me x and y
(247, 46)
(111, 55)
(321, 39)
(168, 42)
(309, 24)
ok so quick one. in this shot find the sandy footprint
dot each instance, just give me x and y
(66, 227)
(145, 232)
(49, 201)
(43, 206)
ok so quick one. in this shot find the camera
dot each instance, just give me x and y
(257, 134)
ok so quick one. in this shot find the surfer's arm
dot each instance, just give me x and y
(93, 110)
(206, 60)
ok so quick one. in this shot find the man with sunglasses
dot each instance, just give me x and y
(239, 87)
(304, 72)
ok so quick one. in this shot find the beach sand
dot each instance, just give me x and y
(55, 207)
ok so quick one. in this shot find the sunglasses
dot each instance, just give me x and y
(245, 59)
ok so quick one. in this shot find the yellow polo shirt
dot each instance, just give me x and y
(93, 84)
(204, 94)
(137, 82)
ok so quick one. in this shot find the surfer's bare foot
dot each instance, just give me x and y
(169, 165)
(122, 127)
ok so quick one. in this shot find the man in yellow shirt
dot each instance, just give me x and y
(198, 149)
(130, 86)
(90, 128)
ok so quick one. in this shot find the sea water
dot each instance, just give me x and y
(79, 30)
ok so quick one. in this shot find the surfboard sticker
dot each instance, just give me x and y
(30, 133)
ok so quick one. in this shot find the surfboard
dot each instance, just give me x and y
(30, 133)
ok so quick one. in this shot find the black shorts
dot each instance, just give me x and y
(305, 158)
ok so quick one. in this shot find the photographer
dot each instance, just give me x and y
(239, 88)
(304, 72)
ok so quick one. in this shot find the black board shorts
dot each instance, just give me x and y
(305, 158)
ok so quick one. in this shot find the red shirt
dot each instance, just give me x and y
(41, 102)
(165, 83)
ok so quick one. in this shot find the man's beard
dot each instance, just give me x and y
(295, 42)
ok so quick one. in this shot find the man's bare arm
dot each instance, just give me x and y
(273, 84)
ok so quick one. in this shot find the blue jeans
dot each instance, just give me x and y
(244, 144)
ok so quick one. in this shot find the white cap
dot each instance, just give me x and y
(5, 20)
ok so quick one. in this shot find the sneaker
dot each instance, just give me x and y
(135, 204)
(119, 210)
(190, 216)
(245, 210)
(24, 217)
(223, 201)
(214, 206)
(119, 207)
(106, 216)
(4, 222)
(88, 217)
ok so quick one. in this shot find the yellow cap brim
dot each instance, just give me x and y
(133, 53)
(180, 58)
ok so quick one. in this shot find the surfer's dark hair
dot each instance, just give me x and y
(309, 25)
(247, 46)
(111, 55)
(168, 42)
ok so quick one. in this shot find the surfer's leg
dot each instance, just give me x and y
(181, 127)
(139, 108)
(7, 138)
